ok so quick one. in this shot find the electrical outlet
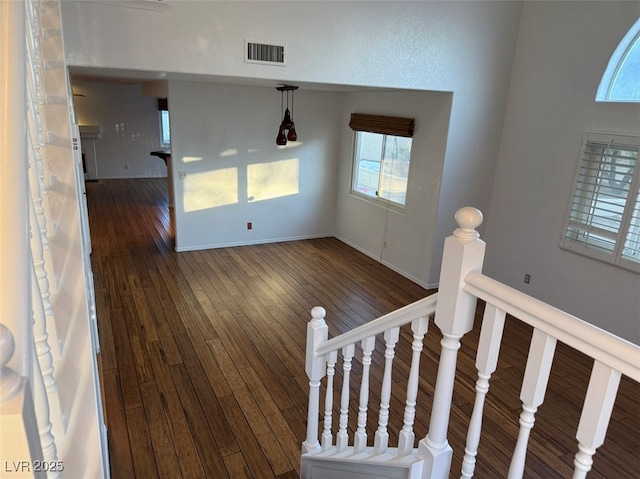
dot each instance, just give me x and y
(249, 225)
(182, 175)
(527, 278)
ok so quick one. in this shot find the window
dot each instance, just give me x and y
(165, 130)
(621, 79)
(382, 154)
(604, 216)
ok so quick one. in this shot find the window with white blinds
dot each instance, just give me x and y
(604, 215)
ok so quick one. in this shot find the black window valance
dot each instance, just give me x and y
(385, 125)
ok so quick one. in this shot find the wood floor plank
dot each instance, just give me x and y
(144, 464)
(202, 363)
(108, 355)
(145, 318)
(119, 447)
(251, 451)
(262, 431)
(161, 440)
(210, 457)
(237, 467)
(222, 433)
(163, 327)
(179, 426)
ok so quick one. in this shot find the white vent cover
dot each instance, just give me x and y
(154, 5)
(265, 54)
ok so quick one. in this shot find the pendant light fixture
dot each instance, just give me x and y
(287, 130)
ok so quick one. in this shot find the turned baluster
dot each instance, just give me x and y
(486, 362)
(41, 304)
(360, 437)
(382, 435)
(40, 250)
(534, 386)
(327, 436)
(41, 403)
(406, 437)
(342, 439)
(596, 413)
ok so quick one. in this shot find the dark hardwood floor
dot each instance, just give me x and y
(202, 355)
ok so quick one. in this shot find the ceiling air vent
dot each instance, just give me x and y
(265, 54)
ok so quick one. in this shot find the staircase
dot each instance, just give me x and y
(50, 403)
(332, 453)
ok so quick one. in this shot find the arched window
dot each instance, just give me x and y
(621, 79)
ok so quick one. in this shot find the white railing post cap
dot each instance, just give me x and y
(468, 219)
(7, 346)
(10, 381)
(318, 313)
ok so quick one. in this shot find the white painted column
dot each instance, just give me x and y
(317, 333)
(463, 253)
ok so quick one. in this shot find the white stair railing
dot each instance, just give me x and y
(461, 284)
(464, 252)
(323, 363)
(613, 357)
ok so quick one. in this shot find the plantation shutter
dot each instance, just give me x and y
(604, 215)
(631, 250)
(384, 125)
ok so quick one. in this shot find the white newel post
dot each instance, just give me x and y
(19, 437)
(463, 253)
(317, 333)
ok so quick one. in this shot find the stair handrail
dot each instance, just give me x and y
(319, 349)
(398, 318)
(597, 343)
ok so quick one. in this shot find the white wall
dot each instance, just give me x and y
(224, 140)
(563, 50)
(460, 47)
(129, 128)
(401, 240)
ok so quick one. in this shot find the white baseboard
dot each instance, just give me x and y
(389, 265)
(249, 243)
